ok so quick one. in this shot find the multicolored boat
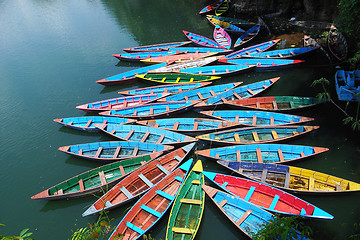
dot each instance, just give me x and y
(262, 153)
(145, 134)
(257, 118)
(241, 92)
(188, 126)
(295, 179)
(201, 40)
(256, 135)
(120, 102)
(187, 210)
(232, 20)
(87, 123)
(140, 181)
(267, 197)
(129, 76)
(172, 78)
(199, 50)
(261, 47)
(247, 36)
(95, 180)
(222, 8)
(264, 64)
(168, 88)
(156, 47)
(219, 70)
(178, 58)
(201, 93)
(284, 53)
(137, 56)
(276, 103)
(151, 110)
(114, 151)
(222, 37)
(152, 206)
(245, 216)
(225, 25)
(210, 7)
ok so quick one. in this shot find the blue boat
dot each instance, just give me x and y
(145, 134)
(137, 56)
(253, 49)
(265, 196)
(257, 118)
(244, 215)
(223, 70)
(156, 47)
(128, 76)
(225, 25)
(241, 92)
(347, 84)
(236, 21)
(113, 151)
(168, 88)
(201, 40)
(247, 36)
(87, 123)
(283, 53)
(263, 64)
(198, 50)
(201, 93)
(188, 126)
(151, 110)
(261, 153)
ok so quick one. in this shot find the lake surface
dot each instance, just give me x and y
(52, 52)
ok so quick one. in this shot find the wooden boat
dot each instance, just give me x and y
(241, 92)
(144, 134)
(167, 88)
(222, 37)
(120, 102)
(263, 64)
(156, 47)
(128, 76)
(257, 118)
(225, 25)
(95, 180)
(199, 50)
(219, 70)
(188, 126)
(222, 8)
(201, 93)
(253, 49)
(245, 216)
(151, 110)
(172, 78)
(139, 181)
(337, 44)
(87, 123)
(178, 58)
(187, 210)
(267, 153)
(148, 210)
(256, 135)
(276, 103)
(210, 7)
(310, 42)
(201, 40)
(267, 197)
(231, 20)
(295, 179)
(247, 36)
(137, 56)
(347, 85)
(114, 150)
(284, 53)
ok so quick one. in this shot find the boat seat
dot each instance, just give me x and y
(243, 217)
(196, 182)
(183, 230)
(165, 195)
(191, 201)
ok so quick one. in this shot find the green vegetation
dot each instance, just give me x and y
(24, 235)
(283, 228)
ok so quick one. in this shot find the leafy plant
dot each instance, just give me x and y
(24, 235)
(349, 17)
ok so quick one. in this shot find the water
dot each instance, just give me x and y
(52, 52)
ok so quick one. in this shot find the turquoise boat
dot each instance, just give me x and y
(156, 47)
(198, 50)
(284, 53)
(222, 70)
(264, 64)
(347, 84)
(247, 36)
(262, 153)
(261, 47)
(232, 20)
(202, 41)
(137, 56)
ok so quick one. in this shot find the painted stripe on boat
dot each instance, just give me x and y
(145, 180)
(165, 195)
(151, 211)
(274, 202)
(250, 193)
(135, 228)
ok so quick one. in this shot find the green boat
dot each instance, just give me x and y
(94, 180)
(176, 77)
(187, 211)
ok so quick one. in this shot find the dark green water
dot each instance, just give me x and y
(51, 54)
